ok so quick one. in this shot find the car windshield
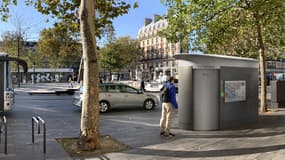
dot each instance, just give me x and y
(128, 89)
(113, 88)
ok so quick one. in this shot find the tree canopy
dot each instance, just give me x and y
(9, 43)
(119, 54)
(227, 26)
(60, 47)
(67, 12)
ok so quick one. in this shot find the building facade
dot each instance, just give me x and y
(275, 70)
(156, 62)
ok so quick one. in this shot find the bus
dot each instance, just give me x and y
(7, 96)
(44, 75)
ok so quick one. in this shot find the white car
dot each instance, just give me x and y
(112, 95)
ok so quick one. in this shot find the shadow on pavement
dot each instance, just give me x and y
(208, 153)
(266, 126)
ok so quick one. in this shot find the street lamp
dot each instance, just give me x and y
(104, 71)
(34, 65)
(18, 56)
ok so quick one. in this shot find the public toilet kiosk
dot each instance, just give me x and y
(216, 92)
(6, 89)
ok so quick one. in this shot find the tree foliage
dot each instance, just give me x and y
(227, 26)
(120, 54)
(130, 51)
(235, 27)
(4, 8)
(67, 12)
(9, 43)
(59, 46)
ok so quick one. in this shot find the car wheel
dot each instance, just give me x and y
(149, 104)
(104, 106)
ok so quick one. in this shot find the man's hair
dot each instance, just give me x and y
(170, 79)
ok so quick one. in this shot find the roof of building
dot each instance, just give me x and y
(153, 26)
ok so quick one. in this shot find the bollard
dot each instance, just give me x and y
(38, 120)
(3, 127)
(34, 120)
(44, 134)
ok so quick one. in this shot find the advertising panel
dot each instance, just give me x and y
(235, 91)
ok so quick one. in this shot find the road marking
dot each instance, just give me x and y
(134, 122)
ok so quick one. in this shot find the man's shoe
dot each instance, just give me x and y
(171, 134)
(162, 133)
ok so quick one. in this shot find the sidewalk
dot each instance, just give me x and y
(264, 140)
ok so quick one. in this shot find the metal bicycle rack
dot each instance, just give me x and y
(39, 121)
(3, 128)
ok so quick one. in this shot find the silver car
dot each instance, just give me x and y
(112, 95)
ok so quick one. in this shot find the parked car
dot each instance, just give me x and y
(112, 95)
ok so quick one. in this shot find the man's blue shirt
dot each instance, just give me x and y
(172, 92)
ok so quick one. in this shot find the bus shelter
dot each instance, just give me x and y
(6, 97)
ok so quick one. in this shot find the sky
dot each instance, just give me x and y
(33, 22)
(131, 23)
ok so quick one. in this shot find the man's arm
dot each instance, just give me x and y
(162, 88)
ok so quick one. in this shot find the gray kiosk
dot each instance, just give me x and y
(216, 92)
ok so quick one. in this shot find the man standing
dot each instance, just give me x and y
(169, 103)
(142, 85)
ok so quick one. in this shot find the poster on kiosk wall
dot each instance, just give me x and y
(235, 91)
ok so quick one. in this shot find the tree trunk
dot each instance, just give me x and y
(263, 106)
(262, 69)
(89, 129)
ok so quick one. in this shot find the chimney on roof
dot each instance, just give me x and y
(147, 21)
(156, 17)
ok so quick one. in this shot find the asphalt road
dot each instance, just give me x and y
(63, 120)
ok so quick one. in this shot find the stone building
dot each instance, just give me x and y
(156, 62)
